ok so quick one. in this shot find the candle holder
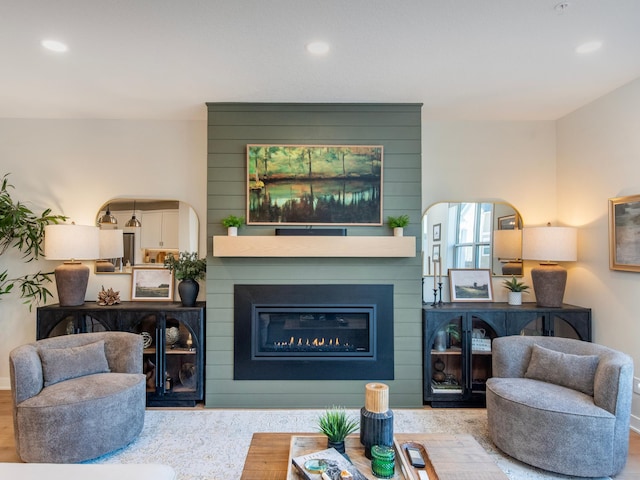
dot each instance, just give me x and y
(440, 291)
(435, 297)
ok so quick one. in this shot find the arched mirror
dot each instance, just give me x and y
(135, 232)
(484, 235)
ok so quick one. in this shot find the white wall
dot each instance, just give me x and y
(73, 167)
(598, 159)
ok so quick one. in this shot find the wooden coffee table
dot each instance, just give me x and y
(450, 457)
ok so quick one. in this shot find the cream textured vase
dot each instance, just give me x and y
(232, 231)
(398, 232)
(515, 298)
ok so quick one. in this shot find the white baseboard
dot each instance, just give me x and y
(635, 423)
(5, 384)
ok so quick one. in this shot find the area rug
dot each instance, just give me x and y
(212, 444)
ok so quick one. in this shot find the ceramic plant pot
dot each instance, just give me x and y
(515, 298)
(188, 290)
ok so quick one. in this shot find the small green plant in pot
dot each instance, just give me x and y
(398, 224)
(516, 289)
(336, 425)
(232, 223)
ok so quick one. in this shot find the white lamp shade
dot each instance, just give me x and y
(71, 242)
(507, 244)
(111, 244)
(554, 244)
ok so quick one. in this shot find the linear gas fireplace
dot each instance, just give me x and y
(313, 332)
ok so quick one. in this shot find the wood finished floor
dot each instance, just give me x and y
(8, 453)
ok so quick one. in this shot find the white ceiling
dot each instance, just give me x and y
(163, 59)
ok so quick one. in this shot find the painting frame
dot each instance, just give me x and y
(435, 252)
(437, 234)
(314, 184)
(142, 277)
(624, 215)
(461, 280)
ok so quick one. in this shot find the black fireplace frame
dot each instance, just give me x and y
(378, 366)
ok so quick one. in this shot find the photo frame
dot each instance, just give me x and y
(435, 254)
(624, 227)
(508, 222)
(151, 284)
(470, 285)
(314, 184)
(436, 232)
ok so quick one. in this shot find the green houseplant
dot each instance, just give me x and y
(516, 289)
(398, 224)
(22, 229)
(188, 268)
(336, 425)
(232, 223)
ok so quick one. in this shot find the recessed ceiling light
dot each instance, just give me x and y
(318, 48)
(54, 46)
(589, 47)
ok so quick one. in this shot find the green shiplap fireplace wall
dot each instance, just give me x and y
(231, 126)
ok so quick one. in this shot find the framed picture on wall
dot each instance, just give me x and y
(435, 254)
(151, 284)
(436, 232)
(470, 285)
(624, 233)
(314, 184)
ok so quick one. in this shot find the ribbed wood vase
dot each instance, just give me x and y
(376, 419)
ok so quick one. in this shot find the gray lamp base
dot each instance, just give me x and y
(71, 280)
(549, 281)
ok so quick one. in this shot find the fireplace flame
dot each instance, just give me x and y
(307, 342)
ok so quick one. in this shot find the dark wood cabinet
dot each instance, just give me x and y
(173, 334)
(457, 343)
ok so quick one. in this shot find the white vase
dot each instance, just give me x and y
(515, 298)
(398, 232)
(232, 231)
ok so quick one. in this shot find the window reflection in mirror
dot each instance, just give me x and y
(151, 229)
(484, 235)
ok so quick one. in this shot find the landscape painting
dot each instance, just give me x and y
(624, 233)
(470, 285)
(314, 184)
(151, 284)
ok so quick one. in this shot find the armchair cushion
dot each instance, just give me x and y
(565, 369)
(59, 364)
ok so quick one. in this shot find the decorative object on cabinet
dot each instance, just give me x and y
(551, 245)
(624, 244)
(151, 284)
(470, 285)
(188, 268)
(349, 193)
(577, 401)
(398, 224)
(232, 223)
(24, 230)
(70, 242)
(108, 297)
(376, 418)
(151, 320)
(336, 425)
(467, 362)
(516, 289)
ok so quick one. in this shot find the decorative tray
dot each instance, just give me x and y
(305, 444)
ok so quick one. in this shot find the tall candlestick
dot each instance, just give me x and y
(435, 273)
(440, 269)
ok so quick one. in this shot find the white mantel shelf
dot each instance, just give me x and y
(303, 246)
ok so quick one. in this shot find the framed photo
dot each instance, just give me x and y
(436, 232)
(469, 285)
(624, 230)
(314, 184)
(508, 222)
(151, 284)
(435, 254)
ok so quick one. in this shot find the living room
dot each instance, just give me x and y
(556, 161)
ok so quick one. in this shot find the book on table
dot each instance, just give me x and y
(334, 464)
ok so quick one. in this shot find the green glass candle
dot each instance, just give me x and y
(383, 461)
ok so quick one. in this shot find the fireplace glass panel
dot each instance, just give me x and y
(313, 332)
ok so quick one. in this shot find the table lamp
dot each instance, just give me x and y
(111, 249)
(507, 246)
(550, 245)
(71, 243)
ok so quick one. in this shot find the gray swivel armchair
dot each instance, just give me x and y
(77, 397)
(561, 404)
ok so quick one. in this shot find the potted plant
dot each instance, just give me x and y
(398, 224)
(516, 289)
(232, 223)
(336, 425)
(188, 268)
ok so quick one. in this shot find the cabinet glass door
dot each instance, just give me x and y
(482, 334)
(147, 326)
(181, 358)
(447, 372)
